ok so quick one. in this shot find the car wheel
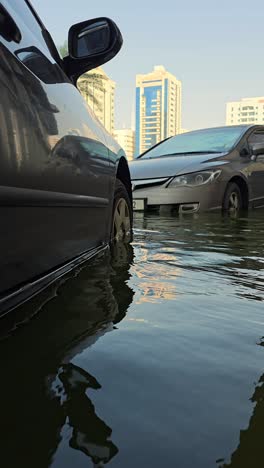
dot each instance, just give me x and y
(122, 215)
(232, 202)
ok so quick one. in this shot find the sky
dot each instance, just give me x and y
(214, 47)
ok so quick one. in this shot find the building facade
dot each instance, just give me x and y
(126, 139)
(246, 111)
(158, 108)
(99, 92)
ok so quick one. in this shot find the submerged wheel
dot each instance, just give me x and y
(232, 202)
(122, 214)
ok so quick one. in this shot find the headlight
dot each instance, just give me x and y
(195, 179)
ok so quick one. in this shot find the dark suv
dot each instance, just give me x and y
(65, 187)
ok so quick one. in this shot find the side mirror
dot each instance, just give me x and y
(257, 149)
(91, 43)
(89, 39)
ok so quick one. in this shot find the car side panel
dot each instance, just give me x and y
(33, 241)
(55, 177)
(255, 171)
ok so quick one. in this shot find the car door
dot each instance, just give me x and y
(256, 171)
(54, 166)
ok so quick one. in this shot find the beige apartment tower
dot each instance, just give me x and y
(247, 111)
(99, 92)
(126, 139)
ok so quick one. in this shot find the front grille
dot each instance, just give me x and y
(144, 183)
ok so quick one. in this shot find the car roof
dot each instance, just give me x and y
(242, 126)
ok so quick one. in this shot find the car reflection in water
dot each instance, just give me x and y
(250, 452)
(47, 391)
(90, 434)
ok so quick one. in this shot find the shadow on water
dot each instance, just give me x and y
(41, 390)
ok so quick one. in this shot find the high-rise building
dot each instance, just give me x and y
(99, 92)
(158, 108)
(126, 139)
(246, 111)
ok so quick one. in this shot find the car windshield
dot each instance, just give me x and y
(212, 140)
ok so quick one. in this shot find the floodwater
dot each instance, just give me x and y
(151, 356)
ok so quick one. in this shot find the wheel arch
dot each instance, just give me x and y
(243, 185)
(123, 174)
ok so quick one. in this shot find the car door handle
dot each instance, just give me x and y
(8, 28)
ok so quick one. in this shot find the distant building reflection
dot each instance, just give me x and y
(24, 128)
(207, 243)
(42, 391)
(154, 273)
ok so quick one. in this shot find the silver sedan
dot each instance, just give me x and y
(211, 169)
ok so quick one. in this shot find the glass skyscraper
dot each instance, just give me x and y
(158, 108)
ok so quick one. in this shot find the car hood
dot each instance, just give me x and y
(172, 165)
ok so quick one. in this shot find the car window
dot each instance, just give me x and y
(256, 137)
(220, 140)
(34, 48)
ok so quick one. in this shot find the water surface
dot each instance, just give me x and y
(151, 355)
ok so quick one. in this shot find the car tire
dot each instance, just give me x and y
(122, 216)
(232, 202)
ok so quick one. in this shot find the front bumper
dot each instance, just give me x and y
(183, 199)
